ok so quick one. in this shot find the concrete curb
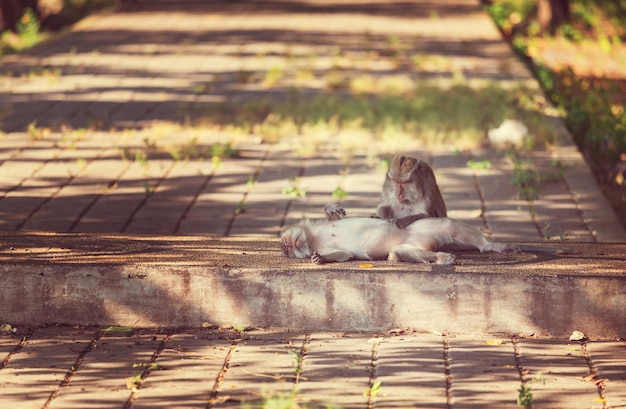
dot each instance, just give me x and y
(185, 281)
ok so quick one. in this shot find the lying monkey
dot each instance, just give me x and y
(361, 238)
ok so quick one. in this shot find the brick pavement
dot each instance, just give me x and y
(213, 368)
(102, 132)
(91, 119)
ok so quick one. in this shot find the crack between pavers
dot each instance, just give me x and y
(18, 347)
(595, 376)
(524, 398)
(374, 385)
(241, 205)
(73, 369)
(147, 370)
(283, 220)
(447, 370)
(148, 194)
(214, 398)
(481, 196)
(301, 354)
(98, 197)
(205, 183)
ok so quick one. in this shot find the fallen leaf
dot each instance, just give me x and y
(494, 342)
(366, 265)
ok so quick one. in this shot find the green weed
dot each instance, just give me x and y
(479, 164)
(525, 395)
(339, 194)
(525, 178)
(374, 389)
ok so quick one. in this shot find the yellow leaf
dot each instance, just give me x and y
(366, 265)
(494, 342)
(600, 400)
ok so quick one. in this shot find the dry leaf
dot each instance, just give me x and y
(366, 265)
(494, 342)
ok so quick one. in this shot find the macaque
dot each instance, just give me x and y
(360, 238)
(410, 192)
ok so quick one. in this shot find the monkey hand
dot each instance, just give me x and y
(505, 248)
(445, 258)
(334, 211)
(316, 258)
(511, 249)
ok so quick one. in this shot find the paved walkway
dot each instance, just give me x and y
(115, 127)
(65, 367)
(111, 127)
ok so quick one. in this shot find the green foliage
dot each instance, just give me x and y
(373, 390)
(457, 115)
(339, 194)
(479, 164)
(594, 113)
(293, 190)
(29, 32)
(525, 395)
(525, 178)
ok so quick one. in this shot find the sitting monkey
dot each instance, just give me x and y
(410, 192)
(360, 238)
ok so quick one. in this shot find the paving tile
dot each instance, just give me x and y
(105, 373)
(483, 372)
(609, 359)
(556, 372)
(37, 370)
(185, 373)
(411, 369)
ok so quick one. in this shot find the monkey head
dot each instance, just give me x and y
(408, 176)
(294, 242)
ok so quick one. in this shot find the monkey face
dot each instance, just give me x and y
(294, 243)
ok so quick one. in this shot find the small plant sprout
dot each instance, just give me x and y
(134, 383)
(241, 208)
(373, 390)
(148, 189)
(294, 191)
(252, 181)
(81, 164)
(339, 194)
(525, 395)
(479, 164)
(37, 134)
(141, 158)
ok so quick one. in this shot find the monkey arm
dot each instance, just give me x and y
(403, 222)
(383, 212)
(336, 256)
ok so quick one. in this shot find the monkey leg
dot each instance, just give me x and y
(337, 256)
(465, 234)
(411, 254)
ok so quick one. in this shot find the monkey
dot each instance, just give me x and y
(339, 239)
(410, 192)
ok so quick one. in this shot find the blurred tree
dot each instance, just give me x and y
(551, 14)
(12, 10)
